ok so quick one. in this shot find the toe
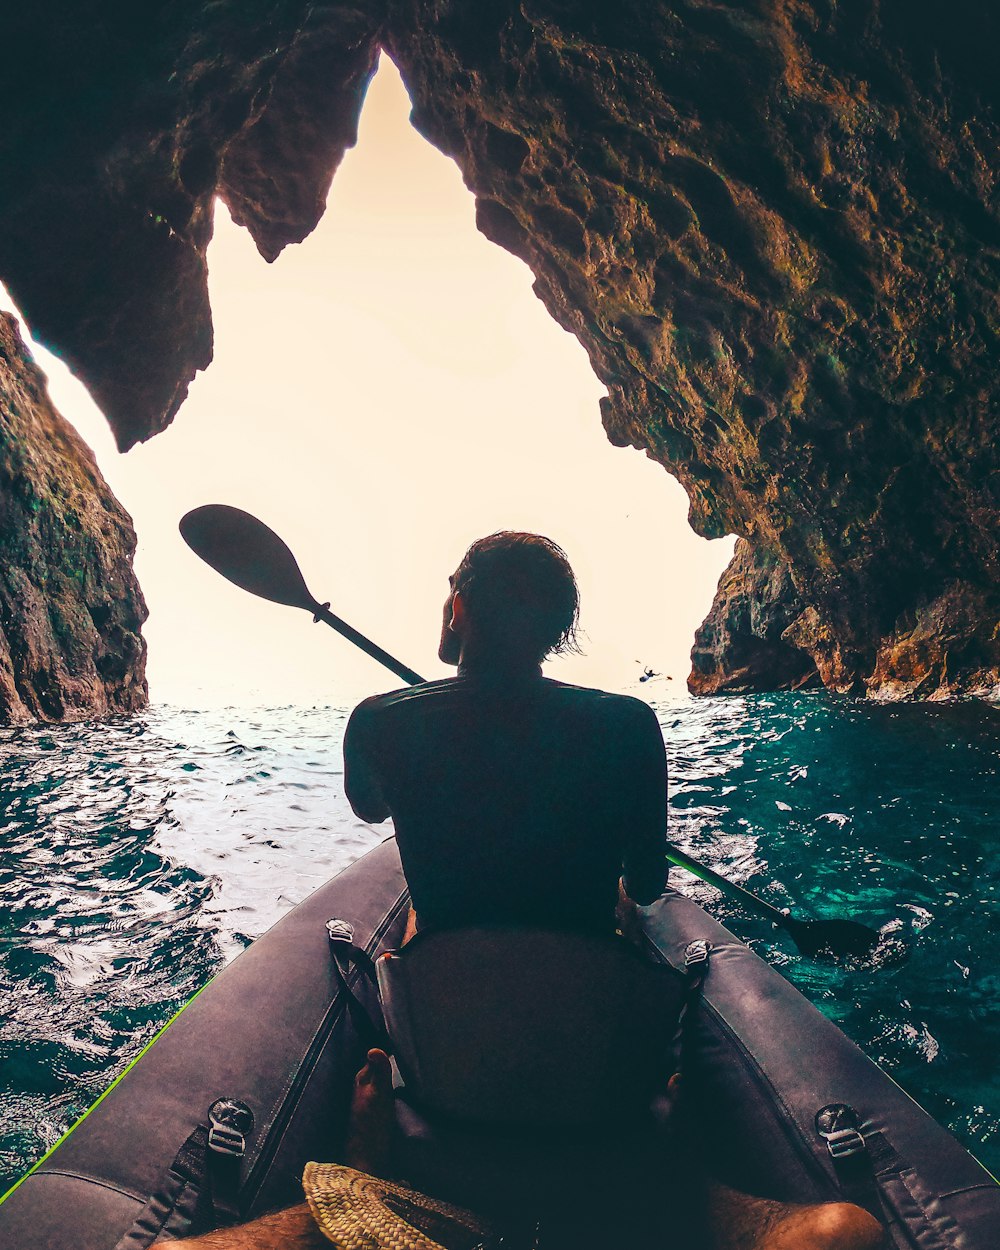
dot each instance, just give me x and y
(379, 1066)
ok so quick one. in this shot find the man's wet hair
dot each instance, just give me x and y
(520, 593)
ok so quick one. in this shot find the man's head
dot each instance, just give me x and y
(513, 599)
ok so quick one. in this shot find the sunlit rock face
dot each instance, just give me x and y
(773, 226)
(70, 607)
(742, 644)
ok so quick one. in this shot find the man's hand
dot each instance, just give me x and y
(627, 916)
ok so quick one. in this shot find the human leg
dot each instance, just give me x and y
(722, 1218)
(368, 1149)
(294, 1229)
(373, 1119)
(737, 1221)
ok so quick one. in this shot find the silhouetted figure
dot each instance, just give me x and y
(515, 798)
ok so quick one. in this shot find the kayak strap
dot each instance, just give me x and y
(201, 1189)
(345, 953)
(696, 961)
(200, 1192)
(871, 1173)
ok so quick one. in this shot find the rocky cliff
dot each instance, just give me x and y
(70, 607)
(773, 224)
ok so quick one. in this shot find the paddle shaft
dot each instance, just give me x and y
(322, 613)
(709, 875)
(810, 936)
(798, 929)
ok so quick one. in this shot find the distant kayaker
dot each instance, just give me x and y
(521, 800)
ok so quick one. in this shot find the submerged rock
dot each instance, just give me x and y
(70, 607)
(773, 227)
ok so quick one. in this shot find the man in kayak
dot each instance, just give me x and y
(515, 799)
(521, 800)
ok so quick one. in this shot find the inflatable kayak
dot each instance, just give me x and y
(791, 1108)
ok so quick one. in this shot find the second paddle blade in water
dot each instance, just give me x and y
(831, 937)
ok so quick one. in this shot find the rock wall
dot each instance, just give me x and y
(774, 227)
(773, 224)
(70, 607)
(742, 646)
(122, 121)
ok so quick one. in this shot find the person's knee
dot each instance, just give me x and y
(843, 1226)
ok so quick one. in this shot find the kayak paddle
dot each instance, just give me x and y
(812, 937)
(253, 557)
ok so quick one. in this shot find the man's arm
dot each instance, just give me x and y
(361, 782)
(645, 863)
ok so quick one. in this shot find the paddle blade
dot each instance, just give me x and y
(247, 553)
(831, 937)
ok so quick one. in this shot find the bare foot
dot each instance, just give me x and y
(373, 1117)
(627, 919)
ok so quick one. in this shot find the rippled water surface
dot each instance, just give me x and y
(137, 857)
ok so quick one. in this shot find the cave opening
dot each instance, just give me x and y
(383, 393)
(773, 237)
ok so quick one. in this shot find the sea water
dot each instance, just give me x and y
(138, 857)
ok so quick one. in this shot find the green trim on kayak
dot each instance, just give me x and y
(73, 1127)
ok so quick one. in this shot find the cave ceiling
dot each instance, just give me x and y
(773, 226)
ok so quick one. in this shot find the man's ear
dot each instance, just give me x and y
(458, 613)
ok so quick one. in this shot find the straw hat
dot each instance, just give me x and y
(360, 1212)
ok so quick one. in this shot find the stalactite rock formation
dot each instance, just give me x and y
(772, 224)
(70, 606)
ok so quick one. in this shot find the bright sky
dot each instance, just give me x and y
(382, 395)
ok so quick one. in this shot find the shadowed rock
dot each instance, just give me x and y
(122, 122)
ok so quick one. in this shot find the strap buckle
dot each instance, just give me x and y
(226, 1141)
(845, 1143)
(696, 953)
(230, 1121)
(838, 1124)
(340, 931)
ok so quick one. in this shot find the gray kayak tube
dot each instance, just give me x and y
(273, 1032)
(270, 1031)
(765, 1064)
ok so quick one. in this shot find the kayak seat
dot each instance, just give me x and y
(531, 1029)
(528, 1061)
(507, 1173)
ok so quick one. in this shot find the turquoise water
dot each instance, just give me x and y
(136, 858)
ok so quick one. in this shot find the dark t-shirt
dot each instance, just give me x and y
(514, 801)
